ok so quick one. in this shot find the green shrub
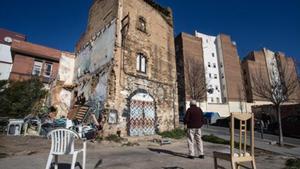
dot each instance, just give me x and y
(3, 83)
(214, 139)
(21, 98)
(99, 138)
(292, 164)
(174, 134)
(130, 144)
(114, 138)
(3, 155)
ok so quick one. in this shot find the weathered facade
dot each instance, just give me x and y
(125, 64)
(61, 88)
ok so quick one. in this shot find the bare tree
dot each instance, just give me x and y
(242, 98)
(195, 79)
(277, 87)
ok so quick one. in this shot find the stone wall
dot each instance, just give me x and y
(159, 81)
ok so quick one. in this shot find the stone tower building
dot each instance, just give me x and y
(125, 66)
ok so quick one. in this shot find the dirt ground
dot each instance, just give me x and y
(32, 153)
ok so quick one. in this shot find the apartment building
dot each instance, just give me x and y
(125, 64)
(21, 60)
(223, 77)
(6, 61)
(33, 60)
(269, 65)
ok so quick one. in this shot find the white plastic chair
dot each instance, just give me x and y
(62, 143)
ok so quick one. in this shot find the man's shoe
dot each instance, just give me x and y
(201, 156)
(191, 157)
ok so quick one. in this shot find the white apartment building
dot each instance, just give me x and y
(213, 68)
(5, 62)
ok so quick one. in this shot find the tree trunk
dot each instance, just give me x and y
(279, 125)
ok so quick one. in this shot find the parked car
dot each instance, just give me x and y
(290, 126)
(211, 117)
(225, 122)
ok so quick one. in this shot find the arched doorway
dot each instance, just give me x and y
(142, 115)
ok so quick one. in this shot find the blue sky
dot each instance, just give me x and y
(253, 24)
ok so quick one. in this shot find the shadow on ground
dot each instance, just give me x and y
(169, 152)
(77, 164)
(66, 165)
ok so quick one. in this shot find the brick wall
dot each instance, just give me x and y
(288, 68)
(254, 65)
(6, 33)
(232, 69)
(35, 50)
(23, 66)
(187, 47)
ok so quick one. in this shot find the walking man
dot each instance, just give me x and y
(193, 120)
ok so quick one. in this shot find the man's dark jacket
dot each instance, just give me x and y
(194, 117)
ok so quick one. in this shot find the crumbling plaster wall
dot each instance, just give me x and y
(61, 94)
(100, 14)
(93, 65)
(66, 68)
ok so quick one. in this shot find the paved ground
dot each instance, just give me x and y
(32, 153)
(292, 150)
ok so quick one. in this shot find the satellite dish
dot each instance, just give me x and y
(8, 39)
(210, 90)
